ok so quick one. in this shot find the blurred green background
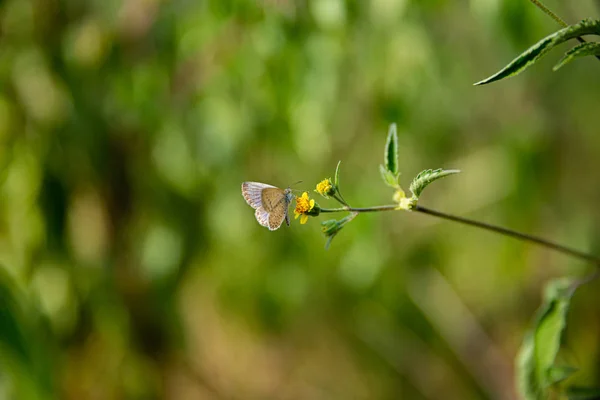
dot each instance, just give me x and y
(132, 268)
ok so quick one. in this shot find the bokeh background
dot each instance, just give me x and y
(132, 268)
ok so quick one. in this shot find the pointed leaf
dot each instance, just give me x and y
(388, 177)
(584, 49)
(336, 180)
(538, 352)
(541, 48)
(427, 176)
(391, 150)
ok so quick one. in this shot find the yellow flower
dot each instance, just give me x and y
(303, 206)
(325, 188)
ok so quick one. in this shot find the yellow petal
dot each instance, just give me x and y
(296, 215)
(303, 219)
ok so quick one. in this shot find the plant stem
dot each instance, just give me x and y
(492, 228)
(391, 207)
(548, 12)
(509, 232)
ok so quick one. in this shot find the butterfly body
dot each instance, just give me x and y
(271, 203)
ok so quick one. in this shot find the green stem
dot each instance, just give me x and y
(492, 228)
(549, 13)
(391, 207)
(509, 232)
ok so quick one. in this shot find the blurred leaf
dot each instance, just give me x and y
(391, 150)
(11, 335)
(535, 371)
(427, 176)
(388, 177)
(538, 50)
(559, 374)
(582, 393)
(584, 49)
(22, 351)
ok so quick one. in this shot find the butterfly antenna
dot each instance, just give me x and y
(295, 190)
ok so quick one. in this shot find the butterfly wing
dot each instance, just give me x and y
(262, 217)
(270, 202)
(252, 192)
(272, 198)
(277, 216)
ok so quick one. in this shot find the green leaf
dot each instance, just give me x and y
(426, 177)
(388, 177)
(584, 49)
(391, 150)
(559, 374)
(22, 341)
(582, 393)
(535, 362)
(336, 181)
(541, 48)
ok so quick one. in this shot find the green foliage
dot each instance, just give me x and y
(336, 178)
(559, 374)
(582, 393)
(582, 50)
(391, 155)
(536, 369)
(126, 128)
(389, 170)
(425, 177)
(538, 50)
(388, 177)
(19, 353)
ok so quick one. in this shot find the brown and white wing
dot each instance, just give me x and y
(262, 217)
(252, 192)
(276, 218)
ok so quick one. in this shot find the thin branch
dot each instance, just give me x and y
(549, 12)
(509, 232)
(489, 227)
(390, 207)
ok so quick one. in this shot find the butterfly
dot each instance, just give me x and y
(271, 203)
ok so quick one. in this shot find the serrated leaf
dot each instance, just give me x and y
(541, 48)
(582, 393)
(388, 177)
(427, 176)
(537, 354)
(582, 50)
(336, 178)
(391, 150)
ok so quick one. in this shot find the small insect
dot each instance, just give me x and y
(270, 202)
